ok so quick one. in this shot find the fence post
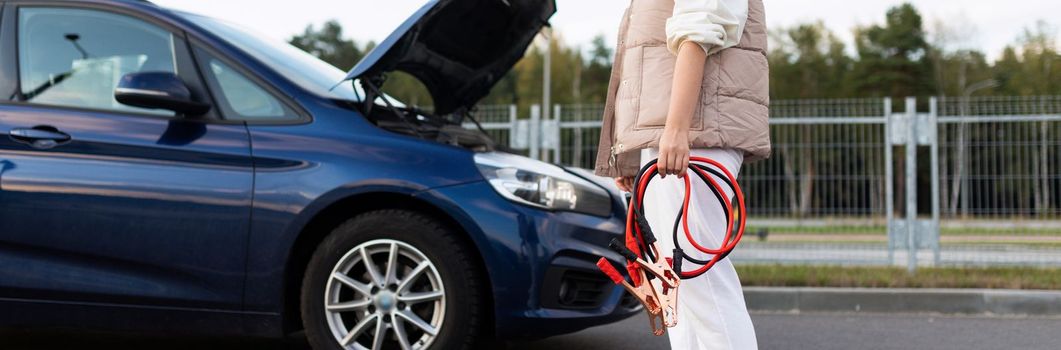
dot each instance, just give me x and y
(889, 178)
(535, 131)
(911, 185)
(557, 156)
(576, 147)
(513, 122)
(933, 114)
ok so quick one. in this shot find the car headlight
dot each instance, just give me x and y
(527, 181)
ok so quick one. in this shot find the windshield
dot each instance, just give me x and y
(300, 67)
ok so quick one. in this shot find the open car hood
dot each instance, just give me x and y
(459, 49)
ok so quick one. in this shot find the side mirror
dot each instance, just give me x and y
(158, 90)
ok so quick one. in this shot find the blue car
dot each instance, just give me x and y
(169, 172)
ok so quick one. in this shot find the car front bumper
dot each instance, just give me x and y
(541, 264)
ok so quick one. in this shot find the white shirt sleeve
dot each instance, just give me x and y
(714, 24)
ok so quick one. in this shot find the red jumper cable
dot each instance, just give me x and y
(654, 280)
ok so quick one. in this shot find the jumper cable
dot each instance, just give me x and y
(654, 280)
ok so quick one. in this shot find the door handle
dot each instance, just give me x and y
(40, 137)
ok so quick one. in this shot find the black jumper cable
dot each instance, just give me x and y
(654, 279)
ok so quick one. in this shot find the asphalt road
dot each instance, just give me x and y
(844, 332)
(775, 331)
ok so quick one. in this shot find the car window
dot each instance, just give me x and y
(75, 57)
(303, 69)
(242, 98)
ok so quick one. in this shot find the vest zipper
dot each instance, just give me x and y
(613, 161)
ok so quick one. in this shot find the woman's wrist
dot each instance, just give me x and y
(675, 130)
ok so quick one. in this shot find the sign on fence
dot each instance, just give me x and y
(520, 135)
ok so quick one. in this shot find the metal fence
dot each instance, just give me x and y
(822, 195)
(499, 121)
(579, 132)
(999, 185)
(950, 181)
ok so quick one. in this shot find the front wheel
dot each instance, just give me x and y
(391, 280)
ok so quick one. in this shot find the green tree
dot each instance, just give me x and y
(329, 44)
(597, 73)
(957, 71)
(1036, 69)
(957, 64)
(809, 61)
(893, 58)
(525, 81)
(1008, 72)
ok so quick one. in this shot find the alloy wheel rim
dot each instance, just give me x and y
(385, 294)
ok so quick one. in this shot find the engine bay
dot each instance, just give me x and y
(411, 121)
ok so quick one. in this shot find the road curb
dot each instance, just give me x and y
(944, 301)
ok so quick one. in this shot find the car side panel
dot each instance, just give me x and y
(520, 244)
(135, 210)
(302, 169)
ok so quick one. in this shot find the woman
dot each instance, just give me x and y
(690, 77)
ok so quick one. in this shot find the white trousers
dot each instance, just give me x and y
(711, 309)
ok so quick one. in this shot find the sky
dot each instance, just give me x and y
(989, 25)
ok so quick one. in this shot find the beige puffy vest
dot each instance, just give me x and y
(734, 103)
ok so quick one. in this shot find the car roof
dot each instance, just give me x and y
(141, 3)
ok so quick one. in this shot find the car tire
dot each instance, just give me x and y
(341, 296)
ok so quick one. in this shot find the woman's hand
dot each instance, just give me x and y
(673, 153)
(626, 184)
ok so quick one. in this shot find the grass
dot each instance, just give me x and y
(983, 231)
(891, 277)
(946, 231)
(817, 230)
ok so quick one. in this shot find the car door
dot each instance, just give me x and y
(102, 202)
